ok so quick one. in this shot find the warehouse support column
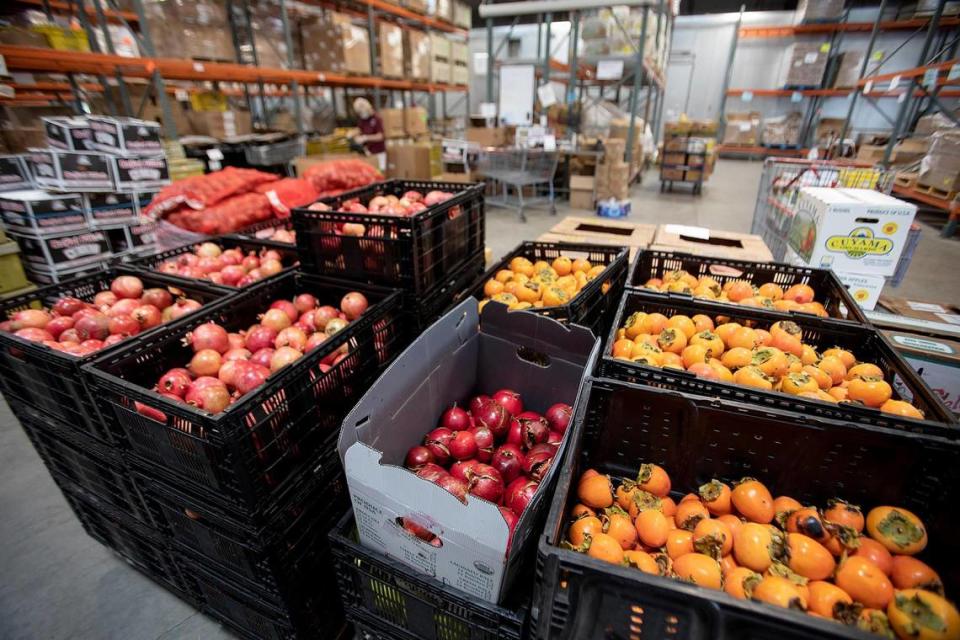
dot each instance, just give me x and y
(546, 50)
(863, 71)
(722, 119)
(291, 63)
(490, 60)
(639, 77)
(372, 36)
(169, 126)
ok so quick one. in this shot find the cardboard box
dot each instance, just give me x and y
(439, 46)
(581, 199)
(461, 354)
(65, 250)
(125, 135)
(848, 72)
(617, 233)
(872, 153)
(420, 6)
(462, 14)
(417, 45)
(409, 162)
(819, 10)
(671, 174)
(614, 149)
(440, 70)
(807, 63)
(930, 124)
(111, 209)
(850, 230)
(742, 129)
(936, 359)
(390, 50)
(693, 175)
(221, 124)
(14, 174)
(459, 74)
(71, 134)
(675, 157)
(487, 136)
(701, 241)
(947, 181)
(864, 288)
(782, 130)
(71, 170)
(415, 121)
(459, 53)
(333, 42)
(140, 173)
(441, 9)
(941, 313)
(582, 183)
(34, 211)
(465, 178)
(393, 125)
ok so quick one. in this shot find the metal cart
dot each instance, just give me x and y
(520, 169)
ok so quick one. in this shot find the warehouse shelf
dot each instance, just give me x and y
(407, 14)
(834, 93)
(66, 8)
(759, 151)
(786, 31)
(51, 61)
(922, 196)
(915, 72)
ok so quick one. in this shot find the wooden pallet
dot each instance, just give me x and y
(942, 194)
(906, 180)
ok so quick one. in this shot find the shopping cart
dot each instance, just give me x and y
(780, 185)
(275, 153)
(522, 170)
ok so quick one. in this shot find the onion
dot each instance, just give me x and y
(127, 287)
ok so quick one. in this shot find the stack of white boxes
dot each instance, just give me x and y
(858, 233)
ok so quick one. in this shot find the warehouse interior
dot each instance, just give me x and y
(413, 153)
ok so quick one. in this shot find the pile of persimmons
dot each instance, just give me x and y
(832, 562)
(533, 285)
(799, 297)
(775, 359)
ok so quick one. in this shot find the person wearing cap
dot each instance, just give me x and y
(371, 131)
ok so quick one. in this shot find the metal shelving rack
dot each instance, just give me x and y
(814, 98)
(250, 79)
(644, 81)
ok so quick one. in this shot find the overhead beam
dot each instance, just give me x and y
(504, 9)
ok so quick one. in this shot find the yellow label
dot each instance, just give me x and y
(890, 228)
(859, 243)
(860, 295)
(825, 47)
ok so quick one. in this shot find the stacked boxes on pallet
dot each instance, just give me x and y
(699, 429)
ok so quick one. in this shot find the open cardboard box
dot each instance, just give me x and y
(459, 356)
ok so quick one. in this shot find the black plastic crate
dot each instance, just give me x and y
(620, 426)
(256, 547)
(262, 443)
(87, 463)
(592, 306)
(413, 253)
(427, 309)
(866, 343)
(410, 605)
(830, 292)
(254, 231)
(288, 257)
(141, 546)
(50, 380)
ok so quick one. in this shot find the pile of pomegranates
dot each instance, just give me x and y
(226, 365)
(495, 449)
(232, 267)
(277, 234)
(80, 328)
(408, 204)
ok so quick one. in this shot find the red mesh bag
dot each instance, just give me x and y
(288, 193)
(199, 192)
(340, 175)
(226, 216)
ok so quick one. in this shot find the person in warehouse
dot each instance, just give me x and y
(371, 131)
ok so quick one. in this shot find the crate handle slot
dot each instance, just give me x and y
(867, 220)
(725, 270)
(425, 535)
(533, 356)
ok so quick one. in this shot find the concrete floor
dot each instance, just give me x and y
(58, 583)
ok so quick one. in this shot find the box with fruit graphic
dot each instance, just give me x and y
(460, 502)
(850, 230)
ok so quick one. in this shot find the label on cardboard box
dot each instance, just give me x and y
(64, 251)
(936, 360)
(14, 174)
(864, 289)
(125, 135)
(111, 208)
(136, 174)
(42, 212)
(929, 307)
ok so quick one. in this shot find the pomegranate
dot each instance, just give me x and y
(113, 339)
(147, 315)
(455, 419)
(354, 304)
(558, 417)
(208, 336)
(205, 362)
(70, 335)
(232, 274)
(229, 371)
(270, 267)
(34, 334)
(260, 337)
(460, 469)
(511, 518)
(431, 472)
(208, 250)
(554, 437)
(208, 394)
(276, 319)
(127, 287)
(31, 319)
(417, 457)
(209, 265)
(322, 316)
(160, 298)
(250, 262)
(538, 461)
(306, 321)
(250, 377)
(485, 442)
(493, 416)
(236, 341)
(58, 325)
(509, 400)
(485, 482)
(463, 445)
(94, 325)
(182, 307)
(236, 354)
(291, 337)
(92, 344)
(334, 325)
(315, 340)
(262, 357)
(283, 357)
(457, 487)
(123, 326)
(438, 442)
(527, 429)
(175, 381)
(287, 307)
(476, 404)
(305, 302)
(68, 306)
(519, 493)
(231, 256)
(105, 299)
(509, 460)
(123, 307)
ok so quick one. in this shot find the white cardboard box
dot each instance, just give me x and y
(455, 358)
(850, 230)
(865, 288)
(936, 359)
